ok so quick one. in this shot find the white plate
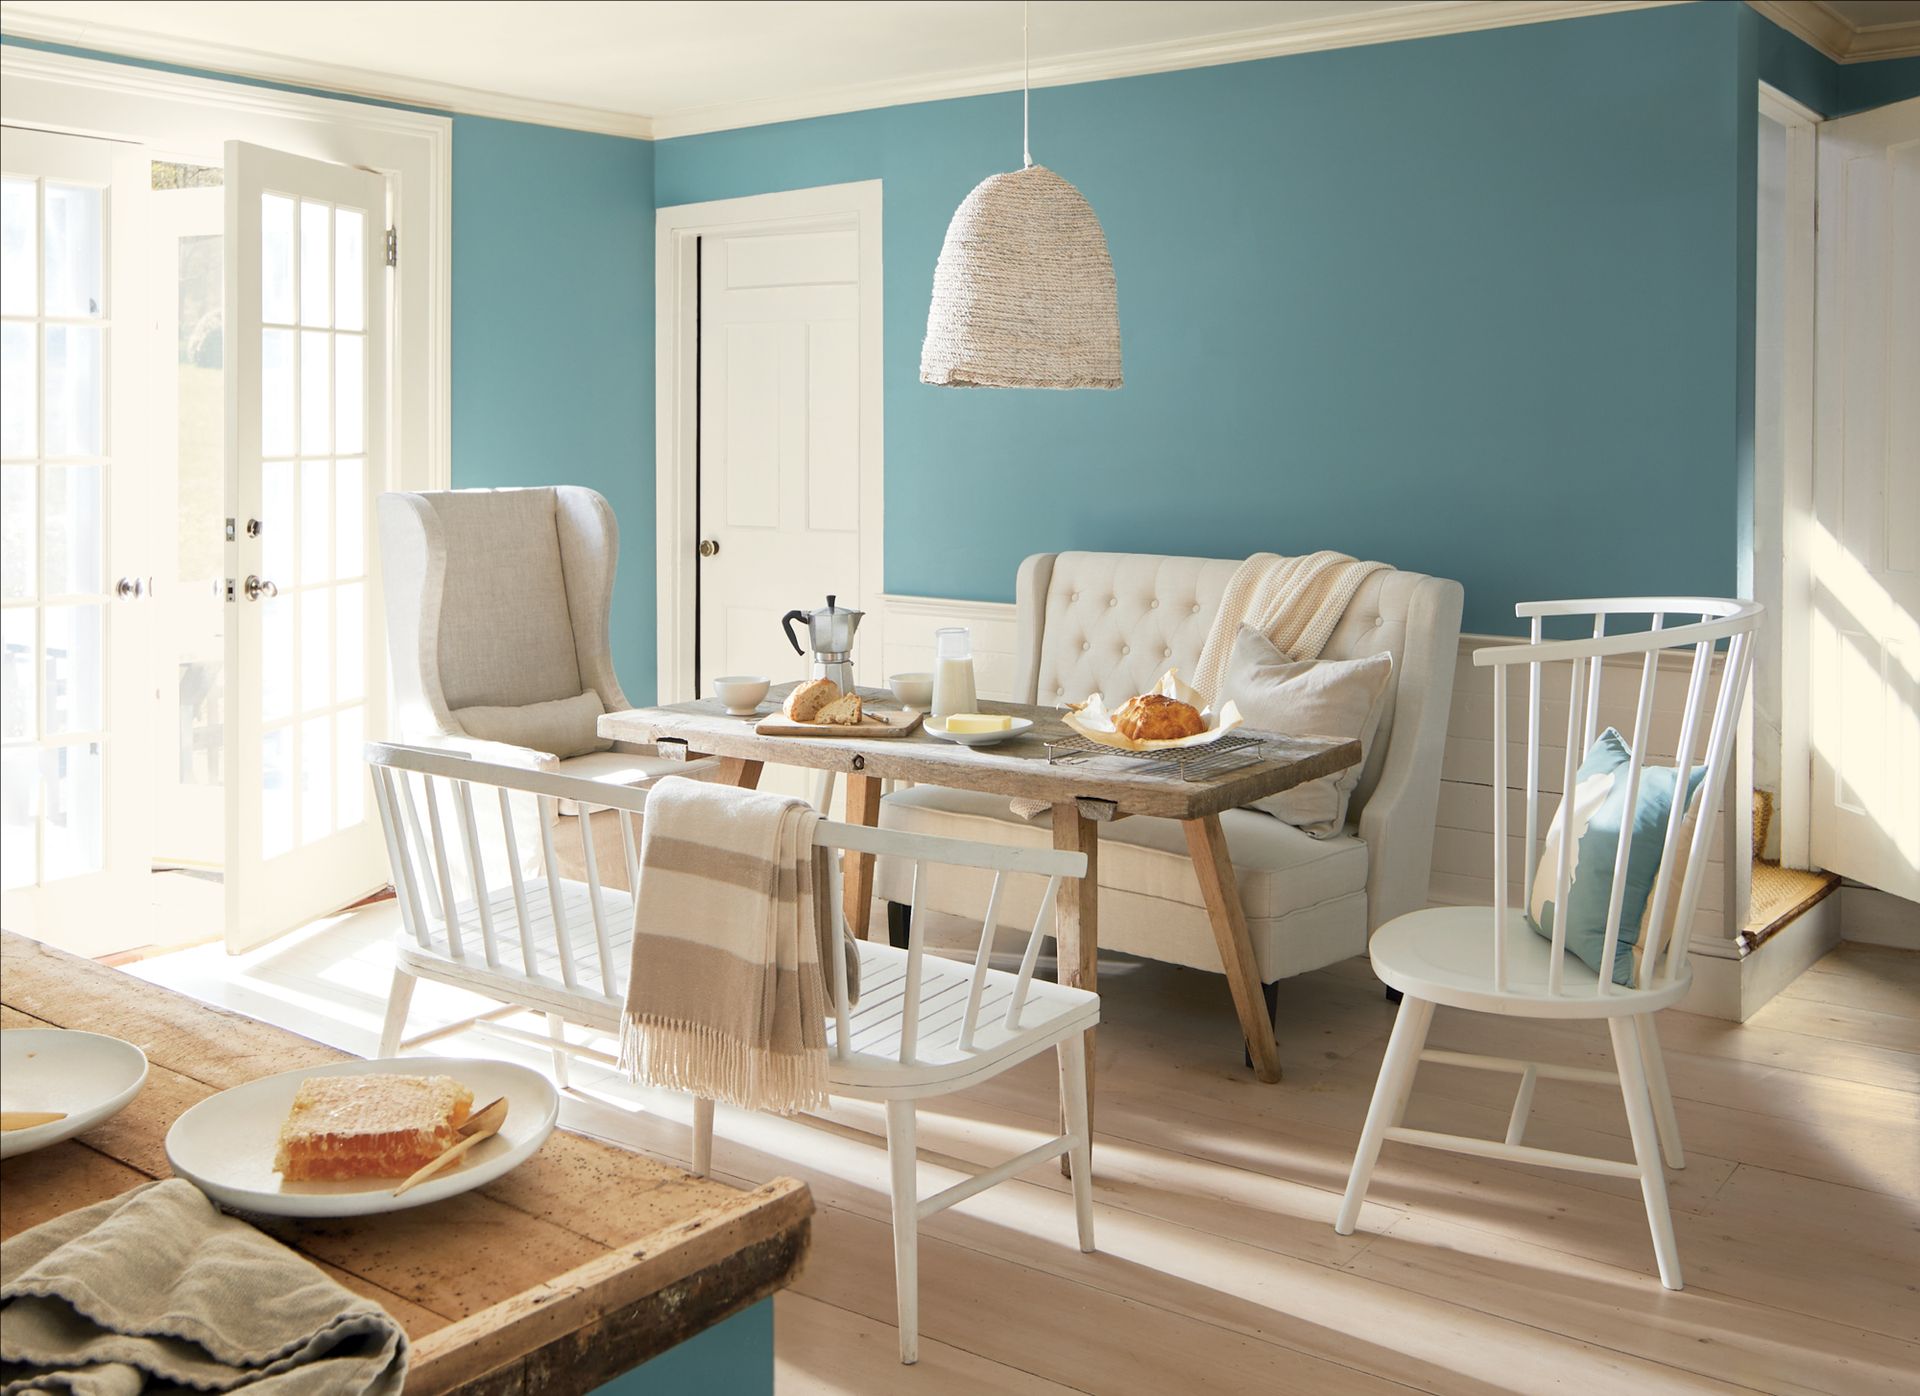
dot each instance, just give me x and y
(938, 727)
(226, 1143)
(89, 1076)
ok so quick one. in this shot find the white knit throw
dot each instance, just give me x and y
(1296, 602)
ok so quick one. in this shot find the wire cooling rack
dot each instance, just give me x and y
(1230, 753)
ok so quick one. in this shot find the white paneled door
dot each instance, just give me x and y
(306, 328)
(780, 479)
(75, 590)
(1866, 533)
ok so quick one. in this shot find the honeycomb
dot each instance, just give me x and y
(344, 1127)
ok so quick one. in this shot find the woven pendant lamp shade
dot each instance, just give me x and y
(1023, 296)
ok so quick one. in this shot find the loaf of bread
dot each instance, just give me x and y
(844, 711)
(820, 700)
(1154, 717)
(807, 699)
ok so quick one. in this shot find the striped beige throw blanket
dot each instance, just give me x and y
(1296, 602)
(726, 998)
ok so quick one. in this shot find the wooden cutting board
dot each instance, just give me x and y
(891, 722)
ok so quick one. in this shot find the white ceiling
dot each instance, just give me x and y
(670, 67)
(665, 67)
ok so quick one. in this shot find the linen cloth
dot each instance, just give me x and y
(156, 1291)
(726, 998)
(1296, 602)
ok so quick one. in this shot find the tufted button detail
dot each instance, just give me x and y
(1154, 604)
(1195, 608)
(1073, 596)
(1166, 654)
(1113, 601)
(1124, 649)
(1379, 621)
(1086, 644)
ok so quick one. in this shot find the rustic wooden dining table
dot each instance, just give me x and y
(1082, 797)
(579, 1265)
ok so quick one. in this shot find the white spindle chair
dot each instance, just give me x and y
(1489, 960)
(923, 1025)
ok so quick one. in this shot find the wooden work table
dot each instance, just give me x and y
(575, 1267)
(1082, 797)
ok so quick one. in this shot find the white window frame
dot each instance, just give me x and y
(678, 230)
(182, 117)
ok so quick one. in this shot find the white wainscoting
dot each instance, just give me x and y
(907, 643)
(1462, 852)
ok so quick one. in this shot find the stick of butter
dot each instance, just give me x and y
(978, 722)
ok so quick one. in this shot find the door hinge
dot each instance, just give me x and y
(393, 247)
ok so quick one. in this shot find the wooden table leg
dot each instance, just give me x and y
(856, 869)
(737, 770)
(1076, 911)
(1207, 846)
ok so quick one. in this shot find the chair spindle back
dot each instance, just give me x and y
(1708, 720)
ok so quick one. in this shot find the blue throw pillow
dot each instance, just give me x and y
(1598, 806)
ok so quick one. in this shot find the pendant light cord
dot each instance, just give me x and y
(1026, 82)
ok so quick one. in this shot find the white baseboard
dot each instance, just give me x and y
(1737, 989)
(1873, 917)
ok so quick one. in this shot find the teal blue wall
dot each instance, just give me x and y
(1467, 304)
(732, 1358)
(553, 335)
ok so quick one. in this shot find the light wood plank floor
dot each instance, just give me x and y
(1798, 1213)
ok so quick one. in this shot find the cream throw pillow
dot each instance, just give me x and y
(565, 727)
(1308, 698)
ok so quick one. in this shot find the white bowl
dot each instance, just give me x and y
(937, 726)
(90, 1076)
(741, 692)
(913, 690)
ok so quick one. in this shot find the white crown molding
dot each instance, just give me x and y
(1412, 21)
(128, 42)
(1821, 28)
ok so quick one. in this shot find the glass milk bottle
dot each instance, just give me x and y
(953, 690)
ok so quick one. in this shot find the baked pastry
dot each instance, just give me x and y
(843, 711)
(820, 700)
(369, 1126)
(1154, 717)
(807, 699)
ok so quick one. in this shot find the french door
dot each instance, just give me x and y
(306, 420)
(74, 596)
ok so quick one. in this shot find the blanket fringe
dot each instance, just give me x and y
(702, 1061)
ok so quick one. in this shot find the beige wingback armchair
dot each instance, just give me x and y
(1114, 622)
(497, 608)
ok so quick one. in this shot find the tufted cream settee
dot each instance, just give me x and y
(1114, 622)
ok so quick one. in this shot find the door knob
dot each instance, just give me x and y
(709, 547)
(128, 588)
(256, 588)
